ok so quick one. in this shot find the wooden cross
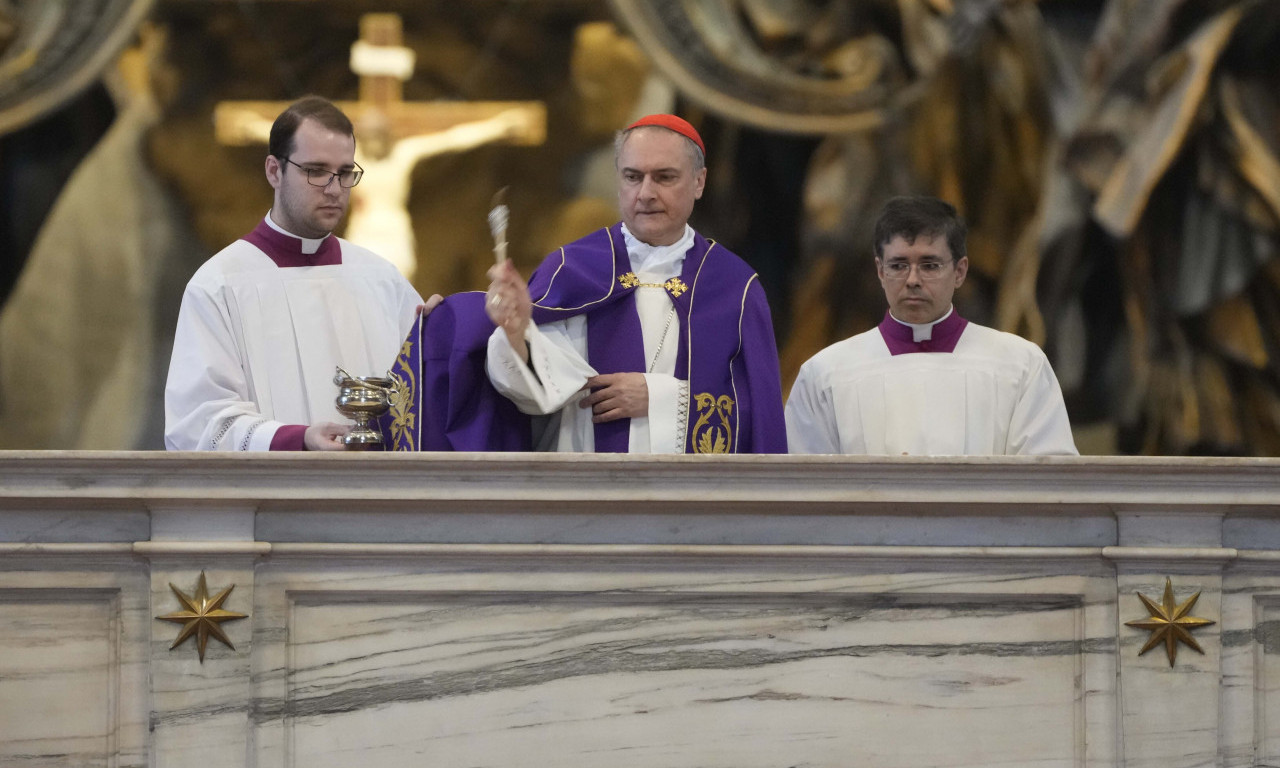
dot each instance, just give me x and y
(393, 135)
(238, 123)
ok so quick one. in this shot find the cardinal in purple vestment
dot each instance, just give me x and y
(646, 336)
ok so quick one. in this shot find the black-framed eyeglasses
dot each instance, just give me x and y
(898, 269)
(322, 177)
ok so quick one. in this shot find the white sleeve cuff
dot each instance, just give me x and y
(260, 435)
(560, 373)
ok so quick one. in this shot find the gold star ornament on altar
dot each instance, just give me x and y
(1169, 623)
(203, 616)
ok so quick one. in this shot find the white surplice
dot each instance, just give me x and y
(256, 344)
(996, 394)
(558, 356)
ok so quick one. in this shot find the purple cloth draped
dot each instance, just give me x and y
(446, 402)
(727, 350)
(900, 339)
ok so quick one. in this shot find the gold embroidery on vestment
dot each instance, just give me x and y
(709, 436)
(402, 397)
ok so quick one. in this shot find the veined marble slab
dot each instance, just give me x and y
(57, 678)
(72, 679)
(746, 667)
(486, 610)
(1250, 667)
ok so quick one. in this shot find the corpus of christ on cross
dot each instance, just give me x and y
(393, 135)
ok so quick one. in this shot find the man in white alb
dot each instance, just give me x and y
(644, 337)
(926, 381)
(264, 323)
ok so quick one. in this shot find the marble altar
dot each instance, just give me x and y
(541, 610)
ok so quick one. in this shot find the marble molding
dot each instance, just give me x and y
(630, 611)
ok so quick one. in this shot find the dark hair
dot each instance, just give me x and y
(316, 108)
(911, 217)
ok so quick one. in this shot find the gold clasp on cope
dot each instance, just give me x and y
(675, 286)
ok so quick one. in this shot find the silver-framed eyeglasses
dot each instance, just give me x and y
(323, 177)
(928, 269)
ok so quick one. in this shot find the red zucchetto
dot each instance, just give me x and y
(672, 123)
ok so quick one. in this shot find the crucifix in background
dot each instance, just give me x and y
(393, 135)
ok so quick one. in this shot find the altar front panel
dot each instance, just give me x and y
(636, 611)
(73, 685)
(665, 660)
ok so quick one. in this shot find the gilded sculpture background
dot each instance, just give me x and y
(1117, 161)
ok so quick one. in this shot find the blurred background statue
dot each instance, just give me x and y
(1164, 225)
(1115, 159)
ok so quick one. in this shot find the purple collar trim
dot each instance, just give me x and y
(286, 251)
(899, 338)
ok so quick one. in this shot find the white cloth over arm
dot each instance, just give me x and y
(554, 387)
(256, 345)
(994, 395)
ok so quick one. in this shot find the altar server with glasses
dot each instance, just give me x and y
(265, 322)
(926, 381)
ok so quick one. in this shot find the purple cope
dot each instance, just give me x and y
(727, 353)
